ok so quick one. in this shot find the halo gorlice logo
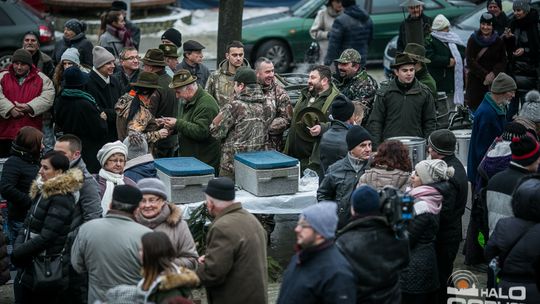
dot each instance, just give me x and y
(463, 288)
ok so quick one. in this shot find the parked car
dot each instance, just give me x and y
(17, 18)
(284, 37)
(463, 26)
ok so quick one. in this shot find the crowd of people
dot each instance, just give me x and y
(81, 131)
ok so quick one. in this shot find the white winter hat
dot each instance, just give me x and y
(109, 149)
(433, 170)
(531, 108)
(440, 23)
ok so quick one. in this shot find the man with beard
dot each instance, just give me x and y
(489, 120)
(342, 177)
(41, 60)
(277, 104)
(411, 28)
(356, 83)
(309, 117)
(403, 106)
(221, 82)
(318, 272)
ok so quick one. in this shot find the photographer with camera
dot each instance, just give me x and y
(370, 245)
(420, 280)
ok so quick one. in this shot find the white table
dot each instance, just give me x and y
(280, 204)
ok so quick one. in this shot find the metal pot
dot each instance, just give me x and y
(416, 146)
(463, 139)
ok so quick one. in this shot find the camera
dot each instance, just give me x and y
(397, 207)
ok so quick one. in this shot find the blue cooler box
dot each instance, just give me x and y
(266, 173)
(184, 177)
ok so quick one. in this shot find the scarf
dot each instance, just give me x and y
(79, 94)
(152, 223)
(356, 163)
(453, 40)
(112, 179)
(483, 41)
(429, 200)
(121, 33)
(39, 182)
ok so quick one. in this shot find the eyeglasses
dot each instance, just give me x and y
(131, 58)
(152, 201)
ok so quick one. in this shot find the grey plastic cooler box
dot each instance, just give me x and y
(266, 173)
(184, 177)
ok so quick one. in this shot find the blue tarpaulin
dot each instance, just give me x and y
(202, 4)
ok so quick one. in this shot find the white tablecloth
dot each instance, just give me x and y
(280, 204)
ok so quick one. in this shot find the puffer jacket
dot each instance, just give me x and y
(421, 275)
(515, 240)
(333, 145)
(372, 239)
(378, 177)
(19, 171)
(352, 29)
(338, 185)
(48, 221)
(177, 282)
(171, 223)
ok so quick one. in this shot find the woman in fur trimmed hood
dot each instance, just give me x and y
(54, 193)
(162, 279)
(157, 214)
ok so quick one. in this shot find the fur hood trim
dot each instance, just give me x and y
(176, 215)
(184, 278)
(68, 182)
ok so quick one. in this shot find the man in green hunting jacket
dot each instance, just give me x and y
(193, 124)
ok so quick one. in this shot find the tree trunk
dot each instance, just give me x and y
(229, 26)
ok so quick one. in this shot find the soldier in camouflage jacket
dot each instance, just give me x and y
(277, 104)
(221, 82)
(241, 124)
(356, 83)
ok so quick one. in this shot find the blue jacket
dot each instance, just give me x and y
(352, 29)
(489, 122)
(318, 275)
(140, 167)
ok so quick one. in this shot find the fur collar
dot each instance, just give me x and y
(176, 215)
(69, 182)
(186, 278)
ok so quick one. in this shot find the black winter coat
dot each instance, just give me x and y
(526, 36)
(124, 80)
(81, 43)
(353, 29)
(421, 275)
(402, 39)
(318, 275)
(455, 193)
(19, 171)
(48, 221)
(338, 185)
(80, 116)
(106, 96)
(493, 60)
(333, 145)
(376, 256)
(4, 258)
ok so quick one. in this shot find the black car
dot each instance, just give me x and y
(16, 19)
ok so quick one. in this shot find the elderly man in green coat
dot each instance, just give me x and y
(193, 123)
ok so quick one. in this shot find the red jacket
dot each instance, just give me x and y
(31, 88)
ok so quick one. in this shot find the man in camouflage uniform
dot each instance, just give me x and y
(277, 104)
(240, 125)
(356, 83)
(221, 82)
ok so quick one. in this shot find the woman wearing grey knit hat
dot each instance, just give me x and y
(420, 280)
